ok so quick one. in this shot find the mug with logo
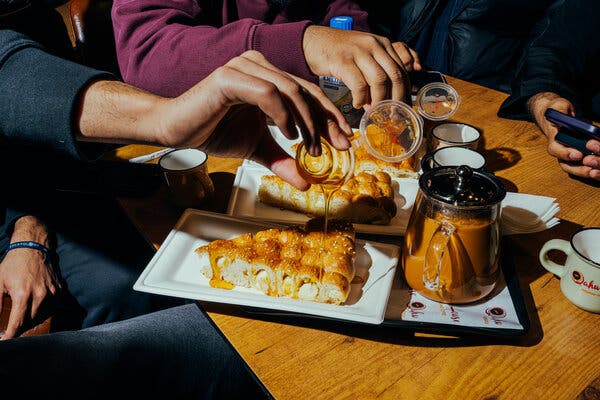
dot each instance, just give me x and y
(580, 274)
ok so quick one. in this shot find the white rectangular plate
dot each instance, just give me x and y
(244, 202)
(175, 271)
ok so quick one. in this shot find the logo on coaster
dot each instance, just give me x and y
(496, 314)
(416, 308)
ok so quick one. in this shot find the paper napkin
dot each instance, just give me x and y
(527, 213)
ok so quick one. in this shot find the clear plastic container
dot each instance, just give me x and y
(437, 101)
(391, 131)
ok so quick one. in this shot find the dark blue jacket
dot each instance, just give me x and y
(515, 46)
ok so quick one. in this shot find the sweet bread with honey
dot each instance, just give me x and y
(365, 162)
(365, 198)
(300, 263)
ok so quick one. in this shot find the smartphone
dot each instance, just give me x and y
(573, 132)
(418, 79)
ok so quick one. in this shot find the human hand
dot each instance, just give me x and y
(225, 115)
(26, 276)
(408, 56)
(370, 65)
(570, 160)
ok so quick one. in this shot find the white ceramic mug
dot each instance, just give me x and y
(187, 177)
(452, 157)
(454, 134)
(580, 275)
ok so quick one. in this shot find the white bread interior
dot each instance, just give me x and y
(366, 198)
(305, 264)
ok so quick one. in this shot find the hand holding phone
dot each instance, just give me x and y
(573, 132)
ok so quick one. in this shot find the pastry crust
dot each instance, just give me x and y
(300, 263)
(366, 198)
(365, 162)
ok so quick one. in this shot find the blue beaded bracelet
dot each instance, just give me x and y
(30, 245)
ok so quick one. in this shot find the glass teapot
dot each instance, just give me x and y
(452, 244)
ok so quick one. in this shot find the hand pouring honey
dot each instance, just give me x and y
(390, 131)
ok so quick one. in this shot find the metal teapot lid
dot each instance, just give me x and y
(462, 186)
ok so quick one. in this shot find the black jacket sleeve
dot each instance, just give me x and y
(11, 215)
(39, 94)
(562, 58)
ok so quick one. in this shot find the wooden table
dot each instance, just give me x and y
(559, 358)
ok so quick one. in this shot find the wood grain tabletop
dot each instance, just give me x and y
(305, 358)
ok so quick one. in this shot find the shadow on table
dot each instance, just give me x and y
(587, 181)
(529, 267)
(223, 182)
(390, 335)
(500, 158)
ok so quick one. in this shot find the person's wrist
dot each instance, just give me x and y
(115, 112)
(312, 34)
(30, 228)
(538, 103)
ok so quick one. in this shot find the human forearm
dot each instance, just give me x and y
(112, 111)
(27, 274)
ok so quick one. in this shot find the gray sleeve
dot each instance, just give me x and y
(39, 95)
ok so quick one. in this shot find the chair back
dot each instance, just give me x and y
(37, 327)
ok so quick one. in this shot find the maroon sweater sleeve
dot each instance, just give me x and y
(168, 46)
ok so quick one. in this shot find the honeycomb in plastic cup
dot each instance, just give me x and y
(391, 131)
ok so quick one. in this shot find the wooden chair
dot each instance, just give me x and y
(90, 29)
(38, 329)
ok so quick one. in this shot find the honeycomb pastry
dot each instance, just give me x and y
(300, 263)
(366, 162)
(366, 198)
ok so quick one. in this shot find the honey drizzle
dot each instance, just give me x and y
(216, 280)
(328, 191)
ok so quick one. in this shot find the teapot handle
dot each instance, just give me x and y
(433, 257)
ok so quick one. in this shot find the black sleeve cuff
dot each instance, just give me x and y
(6, 229)
(515, 106)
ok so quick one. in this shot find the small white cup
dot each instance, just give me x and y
(452, 157)
(187, 177)
(454, 134)
(580, 275)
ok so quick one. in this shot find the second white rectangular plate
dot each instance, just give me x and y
(175, 271)
(244, 202)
